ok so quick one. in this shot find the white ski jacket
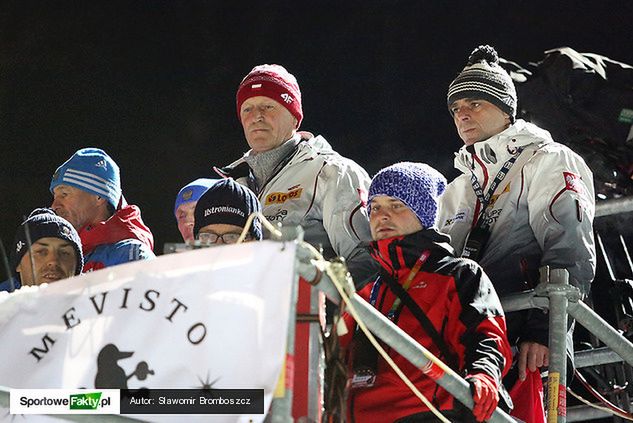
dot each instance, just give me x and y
(325, 193)
(545, 218)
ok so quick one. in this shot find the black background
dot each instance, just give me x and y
(153, 82)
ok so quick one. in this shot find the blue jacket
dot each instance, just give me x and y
(6, 285)
(120, 252)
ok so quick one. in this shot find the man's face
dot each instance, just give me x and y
(477, 120)
(390, 217)
(229, 233)
(185, 219)
(53, 259)
(267, 124)
(79, 207)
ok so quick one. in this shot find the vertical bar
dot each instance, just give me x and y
(626, 253)
(316, 361)
(605, 256)
(281, 407)
(556, 382)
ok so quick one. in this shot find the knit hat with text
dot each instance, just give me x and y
(230, 203)
(484, 79)
(272, 81)
(417, 185)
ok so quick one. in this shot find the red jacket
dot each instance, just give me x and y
(459, 300)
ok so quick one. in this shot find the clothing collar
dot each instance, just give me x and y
(263, 164)
(307, 149)
(397, 255)
(498, 149)
(126, 223)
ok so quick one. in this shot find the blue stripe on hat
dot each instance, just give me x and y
(92, 171)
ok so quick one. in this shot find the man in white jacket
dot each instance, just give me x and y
(522, 202)
(298, 178)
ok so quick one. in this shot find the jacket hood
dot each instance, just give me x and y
(398, 254)
(126, 223)
(499, 148)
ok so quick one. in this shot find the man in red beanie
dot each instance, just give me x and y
(299, 178)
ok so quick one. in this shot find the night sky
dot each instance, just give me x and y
(153, 82)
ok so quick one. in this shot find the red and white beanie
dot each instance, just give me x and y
(272, 81)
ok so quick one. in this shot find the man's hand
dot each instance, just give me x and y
(533, 356)
(485, 395)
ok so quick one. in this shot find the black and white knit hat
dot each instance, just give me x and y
(417, 185)
(484, 79)
(44, 223)
(228, 202)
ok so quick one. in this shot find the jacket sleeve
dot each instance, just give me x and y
(476, 325)
(561, 207)
(343, 187)
(128, 250)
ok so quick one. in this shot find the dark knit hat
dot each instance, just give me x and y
(230, 203)
(484, 79)
(193, 191)
(272, 81)
(417, 185)
(44, 223)
(93, 171)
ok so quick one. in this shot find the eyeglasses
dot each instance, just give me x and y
(207, 238)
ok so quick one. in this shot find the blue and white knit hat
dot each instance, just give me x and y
(417, 185)
(93, 171)
(484, 79)
(193, 191)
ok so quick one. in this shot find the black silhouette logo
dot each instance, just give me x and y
(112, 376)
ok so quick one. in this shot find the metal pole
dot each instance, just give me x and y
(523, 301)
(614, 206)
(407, 347)
(595, 357)
(557, 290)
(605, 332)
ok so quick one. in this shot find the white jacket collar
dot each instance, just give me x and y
(497, 149)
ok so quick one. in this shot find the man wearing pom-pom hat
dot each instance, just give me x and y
(523, 201)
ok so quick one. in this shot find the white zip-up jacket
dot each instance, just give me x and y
(325, 193)
(545, 218)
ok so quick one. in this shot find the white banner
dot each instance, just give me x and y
(210, 318)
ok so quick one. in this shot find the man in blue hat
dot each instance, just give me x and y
(185, 205)
(87, 192)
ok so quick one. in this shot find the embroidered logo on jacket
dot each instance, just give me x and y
(282, 197)
(460, 216)
(572, 182)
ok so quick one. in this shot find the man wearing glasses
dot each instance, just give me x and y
(222, 212)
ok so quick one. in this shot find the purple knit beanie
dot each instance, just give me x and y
(417, 185)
